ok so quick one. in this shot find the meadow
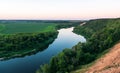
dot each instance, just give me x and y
(25, 27)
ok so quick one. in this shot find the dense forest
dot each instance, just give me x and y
(21, 44)
(101, 34)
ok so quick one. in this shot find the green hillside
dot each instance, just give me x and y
(95, 25)
(101, 33)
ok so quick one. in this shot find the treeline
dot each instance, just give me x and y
(20, 44)
(68, 24)
(41, 21)
(102, 34)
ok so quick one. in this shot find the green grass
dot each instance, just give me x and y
(2, 27)
(26, 27)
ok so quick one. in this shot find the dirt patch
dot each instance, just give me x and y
(110, 63)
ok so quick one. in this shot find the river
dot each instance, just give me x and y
(29, 64)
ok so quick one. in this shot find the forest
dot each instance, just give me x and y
(101, 35)
(20, 38)
(22, 44)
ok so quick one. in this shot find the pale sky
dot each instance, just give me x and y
(59, 9)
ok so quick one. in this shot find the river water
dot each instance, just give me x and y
(29, 64)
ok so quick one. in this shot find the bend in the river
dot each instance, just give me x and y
(29, 64)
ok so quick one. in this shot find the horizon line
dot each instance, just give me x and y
(63, 19)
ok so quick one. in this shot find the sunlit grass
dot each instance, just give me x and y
(24, 27)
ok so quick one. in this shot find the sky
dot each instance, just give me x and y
(59, 9)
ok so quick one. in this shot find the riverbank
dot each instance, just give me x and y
(25, 44)
(29, 64)
(100, 30)
(102, 34)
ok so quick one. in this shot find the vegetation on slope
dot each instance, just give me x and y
(102, 34)
(91, 27)
(108, 63)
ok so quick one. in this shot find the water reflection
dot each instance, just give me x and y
(29, 64)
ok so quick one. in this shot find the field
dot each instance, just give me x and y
(26, 27)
